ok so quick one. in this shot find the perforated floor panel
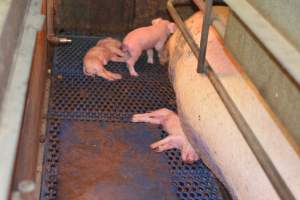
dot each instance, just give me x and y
(76, 96)
(94, 152)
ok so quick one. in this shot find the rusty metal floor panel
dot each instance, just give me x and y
(94, 152)
(107, 161)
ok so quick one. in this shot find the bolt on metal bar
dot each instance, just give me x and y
(204, 36)
(276, 180)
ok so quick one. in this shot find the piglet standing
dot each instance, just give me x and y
(147, 38)
(105, 50)
(176, 138)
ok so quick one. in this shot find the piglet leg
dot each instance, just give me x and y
(108, 75)
(176, 138)
(118, 59)
(131, 62)
(150, 56)
(118, 52)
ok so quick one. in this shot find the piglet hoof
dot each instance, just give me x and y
(150, 61)
(134, 74)
(188, 154)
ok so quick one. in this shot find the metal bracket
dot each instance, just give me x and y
(51, 37)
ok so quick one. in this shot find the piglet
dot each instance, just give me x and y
(147, 38)
(176, 138)
(98, 56)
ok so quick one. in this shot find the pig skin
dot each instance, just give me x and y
(176, 137)
(211, 130)
(98, 56)
(147, 38)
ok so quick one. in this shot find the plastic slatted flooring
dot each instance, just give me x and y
(77, 100)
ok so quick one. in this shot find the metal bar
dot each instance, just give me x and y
(216, 22)
(276, 180)
(200, 4)
(204, 36)
(51, 37)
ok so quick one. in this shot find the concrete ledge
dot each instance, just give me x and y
(15, 94)
(11, 19)
(283, 51)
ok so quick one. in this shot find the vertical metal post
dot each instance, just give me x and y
(204, 36)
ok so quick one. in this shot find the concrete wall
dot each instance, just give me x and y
(274, 84)
(11, 18)
(284, 15)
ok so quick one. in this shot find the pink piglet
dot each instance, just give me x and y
(147, 38)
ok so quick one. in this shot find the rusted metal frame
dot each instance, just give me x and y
(51, 37)
(204, 36)
(276, 180)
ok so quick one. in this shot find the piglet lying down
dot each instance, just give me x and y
(176, 138)
(98, 56)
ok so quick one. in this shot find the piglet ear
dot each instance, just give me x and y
(172, 27)
(154, 21)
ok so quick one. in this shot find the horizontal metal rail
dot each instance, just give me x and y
(276, 180)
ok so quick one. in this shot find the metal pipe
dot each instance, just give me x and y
(51, 37)
(276, 180)
(216, 22)
(202, 6)
(204, 36)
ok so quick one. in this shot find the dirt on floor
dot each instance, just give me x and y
(111, 161)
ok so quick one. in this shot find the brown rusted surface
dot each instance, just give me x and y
(29, 138)
(111, 161)
(146, 10)
(93, 17)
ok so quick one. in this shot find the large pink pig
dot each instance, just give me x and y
(176, 138)
(147, 38)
